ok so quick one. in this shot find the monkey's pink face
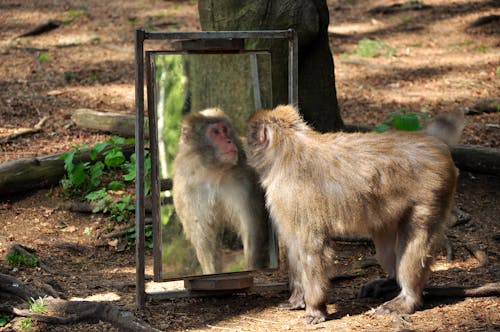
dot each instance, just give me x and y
(220, 135)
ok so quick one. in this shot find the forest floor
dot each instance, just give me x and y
(438, 64)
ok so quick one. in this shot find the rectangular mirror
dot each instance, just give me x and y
(238, 83)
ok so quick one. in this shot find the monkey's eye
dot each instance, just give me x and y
(215, 131)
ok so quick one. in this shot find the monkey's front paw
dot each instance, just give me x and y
(288, 305)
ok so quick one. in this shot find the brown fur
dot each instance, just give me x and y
(212, 193)
(395, 187)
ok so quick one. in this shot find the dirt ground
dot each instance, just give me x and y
(439, 64)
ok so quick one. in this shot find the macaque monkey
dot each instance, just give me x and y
(395, 187)
(214, 189)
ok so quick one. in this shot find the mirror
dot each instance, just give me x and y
(238, 83)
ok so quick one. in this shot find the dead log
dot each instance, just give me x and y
(472, 158)
(477, 159)
(26, 174)
(120, 124)
(491, 289)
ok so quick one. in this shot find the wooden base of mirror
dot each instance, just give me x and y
(211, 286)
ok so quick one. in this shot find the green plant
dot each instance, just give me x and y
(17, 259)
(68, 76)
(81, 177)
(4, 319)
(26, 323)
(84, 177)
(37, 305)
(94, 76)
(102, 182)
(43, 57)
(462, 43)
(70, 15)
(407, 18)
(498, 71)
(370, 48)
(482, 49)
(119, 210)
(94, 39)
(401, 120)
(159, 15)
(87, 231)
(148, 235)
(132, 21)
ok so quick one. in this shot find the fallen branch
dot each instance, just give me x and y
(24, 131)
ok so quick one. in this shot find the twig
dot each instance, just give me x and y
(25, 131)
(260, 320)
(222, 328)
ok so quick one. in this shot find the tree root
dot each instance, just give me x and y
(59, 311)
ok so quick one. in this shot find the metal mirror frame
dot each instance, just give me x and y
(141, 36)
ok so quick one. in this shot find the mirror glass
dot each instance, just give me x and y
(238, 83)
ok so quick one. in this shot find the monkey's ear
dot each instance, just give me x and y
(263, 133)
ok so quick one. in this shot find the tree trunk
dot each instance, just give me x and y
(310, 18)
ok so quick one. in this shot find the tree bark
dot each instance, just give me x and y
(310, 18)
(119, 124)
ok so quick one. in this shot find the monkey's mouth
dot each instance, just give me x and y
(230, 156)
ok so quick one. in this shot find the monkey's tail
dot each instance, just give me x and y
(448, 127)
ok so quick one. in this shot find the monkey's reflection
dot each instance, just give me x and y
(215, 190)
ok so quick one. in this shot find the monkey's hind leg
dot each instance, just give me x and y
(413, 266)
